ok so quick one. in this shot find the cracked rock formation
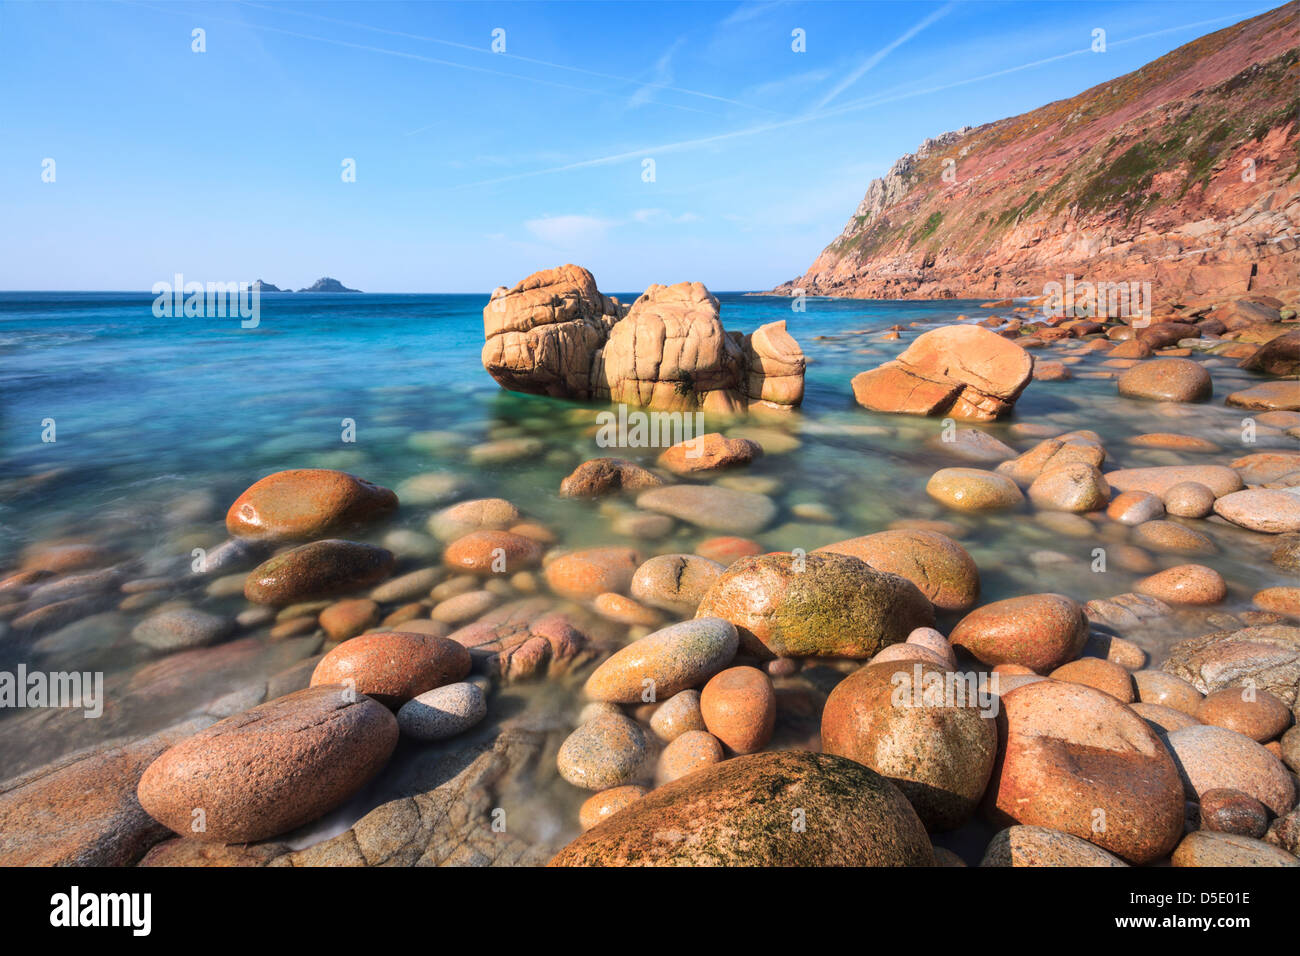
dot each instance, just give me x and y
(556, 334)
(524, 639)
(1266, 657)
(961, 370)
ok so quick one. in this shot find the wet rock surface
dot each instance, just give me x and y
(821, 605)
(317, 570)
(270, 769)
(307, 503)
(738, 813)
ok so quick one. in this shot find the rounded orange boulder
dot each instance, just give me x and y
(739, 708)
(321, 569)
(270, 769)
(710, 452)
(1167, 690)
(1185, 584)
(583, 575)
(1247, 710)
(1167, 380)
(1100, 675)
(347, 619)
(685, 754)
(940, 567)
(1077, 760)
(493, 552)
(1038, 631)
(307, 503)
(393, 666)
(904, 720)
(601, 805)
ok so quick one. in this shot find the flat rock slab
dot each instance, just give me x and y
(449, 820)
(82, 810)
(1158, 480)
(708, 506)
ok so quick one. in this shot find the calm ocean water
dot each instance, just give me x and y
(140, 401)
(161, 423)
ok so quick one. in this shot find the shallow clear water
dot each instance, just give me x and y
(161, 423)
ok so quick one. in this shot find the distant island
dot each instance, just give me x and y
(325, 284)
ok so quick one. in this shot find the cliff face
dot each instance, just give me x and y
(1184, 174)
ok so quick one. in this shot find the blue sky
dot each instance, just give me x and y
(474, 168)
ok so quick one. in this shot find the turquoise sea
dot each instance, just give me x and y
(146, 407)
(161, 423)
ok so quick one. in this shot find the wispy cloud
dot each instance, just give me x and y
(654, 216)
(796, 81)
(401, 54)
(869, 101)
(575, 229)
(509, 56)
(870, 62)
(568, 230)
(750, 11)
(646, 151)
(663, 76)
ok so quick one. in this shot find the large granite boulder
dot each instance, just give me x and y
(542, 334)
(818, 605)
(672, 352)
(556, 334)
(776, 366)
(960, 370)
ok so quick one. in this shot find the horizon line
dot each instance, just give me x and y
(149, 292)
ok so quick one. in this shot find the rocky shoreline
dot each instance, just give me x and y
(485, 687)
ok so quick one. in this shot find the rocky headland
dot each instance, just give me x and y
(1182, 174)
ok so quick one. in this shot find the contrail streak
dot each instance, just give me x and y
(413, 56)
(513, 56)
(879, 55)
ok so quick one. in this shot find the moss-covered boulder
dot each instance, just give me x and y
(771, 809)
(815, 605)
